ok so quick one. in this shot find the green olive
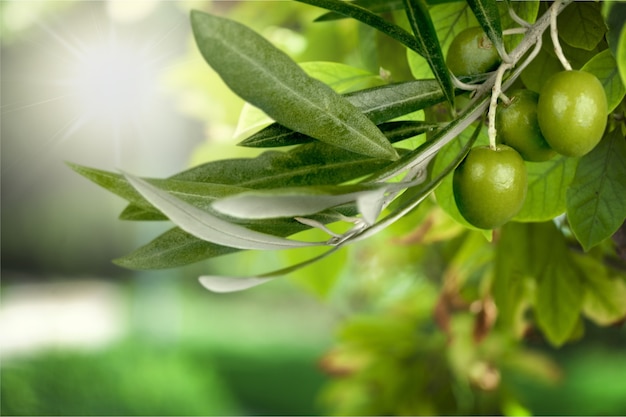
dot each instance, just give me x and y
(490, 186)
(517, 126)
(572, 112)
(471, 52)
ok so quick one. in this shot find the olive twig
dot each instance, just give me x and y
(493, 104)
(554, 34)
(517, 18)
(515, 31)
(463, 86)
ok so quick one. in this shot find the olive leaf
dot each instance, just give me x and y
(290, 202)
(364, 15)
(488, 16)
(266, 77)
(209, 227)
(379, 104)
(426, 34)
(315, 163)
(225, 284)
(375, 6)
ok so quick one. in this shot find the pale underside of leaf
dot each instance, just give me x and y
(225, 284)
(208, 227)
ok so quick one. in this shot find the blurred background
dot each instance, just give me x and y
(119, 85)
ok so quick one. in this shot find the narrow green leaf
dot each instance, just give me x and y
(596, 203)
(393, 131)
(375, 6)
(176, 247)
(449, 19)
(547, 186)
(362, 14)
(208, 227)
(315, 163)
(488, 16)
(310, 164)
(171, 249)
(199, 194)
(379, 104)
(581, 25)
(266, 77)
(604, 66)
(426, 34)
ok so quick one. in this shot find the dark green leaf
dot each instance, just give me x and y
(379, 104)
(426, 34)
(581, 25)
(614, 13)
(488, 16)
(604, 66)
(310, 164)
(267, 78)
(375, 6)
(449, 19)
(394, 131)
(172, 249)
(176, 247)
(547, 185)
(362, 14)
(596, 203)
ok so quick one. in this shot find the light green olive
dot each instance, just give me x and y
(517, 126)
(572, 112)
(490, 186)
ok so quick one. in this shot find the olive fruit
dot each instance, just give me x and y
(471, 52)
(572, 112)
(490, 185)
(517, 126)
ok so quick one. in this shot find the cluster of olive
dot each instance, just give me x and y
(568, 117)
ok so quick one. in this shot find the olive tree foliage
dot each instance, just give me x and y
(349, 165)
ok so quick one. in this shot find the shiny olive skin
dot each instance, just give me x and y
(471, 52)
(490, 186)
(572, 112)
(517, 126)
